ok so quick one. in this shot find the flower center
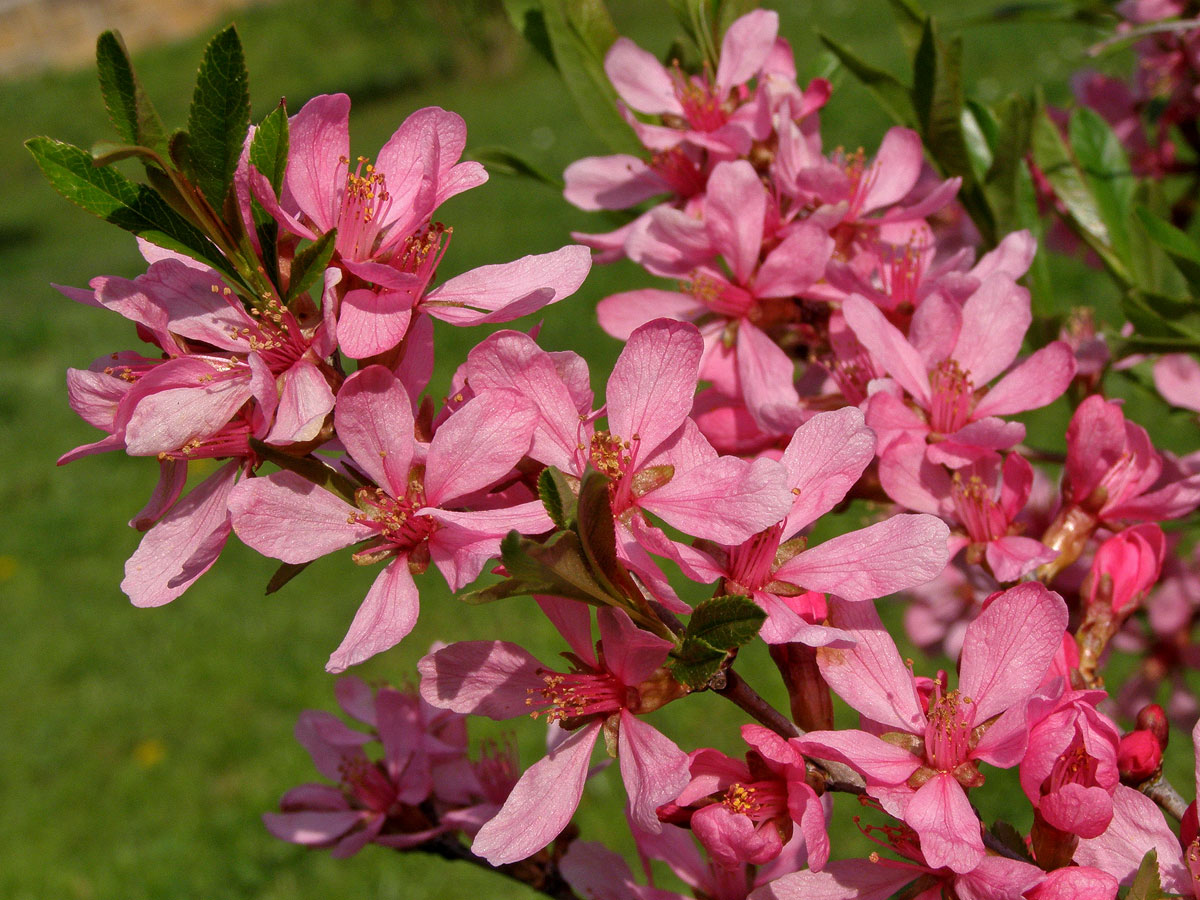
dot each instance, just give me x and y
(422, 253)
(948, 731)
(610, 455)
(678, 170)
(720, 296)
(365, 202)
(752, 563)
(394, 518)
(576, 694)
(701, 107)
(759, 801)
(365, 782)
(1074, 766)
(953, 393)
(975, 508)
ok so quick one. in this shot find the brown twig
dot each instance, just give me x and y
(543, 878)
(1164, 794)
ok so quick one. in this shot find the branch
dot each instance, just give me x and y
(543, 877)
(1164, 794)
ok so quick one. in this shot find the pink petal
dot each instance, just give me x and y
(888, 346)
(899, 553)
(1078, 809)
(767, 378)
(1177, 377)
(387, 614)
(879, 762)
(745, 47)
(1009, 647)
(630, 653)
(1038, 380)
(478, 445)
(871, 676)
(374, 422)
(319, 139)
(303, 405)
(171, 480)
(894, 171)
(640, 79)
(1076, 883)
(542, 802)
(941, 814)
(481, 678)
(574, 622)
(288, 517)
(653, 383)
(311, 828)
(184, 399)
(371, 322)
(994, 321)
(467, 540)
(500, 293)
(184, 544)
(610, 182)
(997, 878)
(412, 161)
(911, 479)
(1012, 556)
(976, 442)
(848, 879)
(1137, 827)
(653, 768)
(192, 308)
(621, 314)
(668, 242)
(796, 264)
(935, 328)
(824, 459)
(734, 209)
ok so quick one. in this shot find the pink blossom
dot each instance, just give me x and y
(606, 692)
(1124, 569)
(410, 509)
(1177, 377)
(923, 775)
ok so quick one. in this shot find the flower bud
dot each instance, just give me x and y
(1139, 756)
(1153, 718)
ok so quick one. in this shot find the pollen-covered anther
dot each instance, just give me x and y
(572, 695)
(609, 454)
(953, 395)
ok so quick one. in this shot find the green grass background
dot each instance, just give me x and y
(138, 747)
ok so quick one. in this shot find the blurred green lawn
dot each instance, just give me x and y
(138, 747)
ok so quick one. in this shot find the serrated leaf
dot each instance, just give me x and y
(106, 193)
(219, 117)
(894, 97)
(1011, 838)
(557, 567)
(269, 146)
(1147, 883)
(1107, 173)
(580, 33)
(310, 264)
(694, 663)
(505, 162)
(725, 622)
(557, 497)
(285, 573)
(1177, 244)
(598, 538)
(129, 109)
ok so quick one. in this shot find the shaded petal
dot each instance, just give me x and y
(311, 828)
(319, 139)
(374, 421)
(305, 401)
(894, 171)
(610, 182)
(1137, 827)
(747, 44)
(371, 322)
(482, 678)
(847, 879)
(796, 264)
(879, 762)
(734, 209)
(824, 459)
(888, 346)
(653, 768)
(630, 653)
(621, 314)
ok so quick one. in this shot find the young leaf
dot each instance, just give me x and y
(910, 20)
(310, 264)
(598, 539)
(219, 117)
(694, 663)
(1014, 129)
(1108, 175)
(269, 146)
(129, 109)
(894, 97)
(1178, 246)
(726, 622)
(557, 567)
(580, 33)
(1147, 883)
(106, 193)
(556, 495)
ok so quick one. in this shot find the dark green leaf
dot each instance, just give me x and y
(1108, 175)
(894, 97)
(558, 498)
(107, 193)
(306, 467)
(580, 33)
(1147, 883)
(285, 573)
(725, 622)
(310, 264)
(129, 108)
(1159, 316)
(910, 19)
(1011, 838)
(219, 117)
(556, 568)
(597, 535)
(527, 17)
(505, 162)
(1013, 131)
(694, 663)
(1178, 246)
(269, 146)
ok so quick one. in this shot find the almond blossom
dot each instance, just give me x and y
(410, 509)
(921, 773)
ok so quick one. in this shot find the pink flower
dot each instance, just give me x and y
(606, 692)
(921, 775)
(411, 513)
(744, 812)
(1177, 377)
(1124, 569)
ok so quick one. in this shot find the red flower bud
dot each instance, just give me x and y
(1139, 756)
(1153, 718)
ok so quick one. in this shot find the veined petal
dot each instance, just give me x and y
(610, 182)
(653, 768)
(994, 321)
(387, 614)
(1039, 379)
(477, 445)
(824, 459)
(374, 421)
(480, 678)
(319, 138)
(941, 814)
(846, 879)
(889, 347)
(371, 322)
(734, 209)
(305, 401)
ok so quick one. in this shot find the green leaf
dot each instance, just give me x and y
(1147, 883)
(269, 146)
(598, 539)
(129, 109)
(1013, 130)
(529, 20)
(1157, 315)
(730, 10)
(556, 567)
(105, 153)
(1107, 173)
(558, 498)
(219, 117)
(1011, 838)
(505, 162)
(106, 193)
(726, 622)
(694, 663)
(580, 33)
(910, 19)
(285, 573)
(310, 264)
(1178, 246)
(894, 97)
